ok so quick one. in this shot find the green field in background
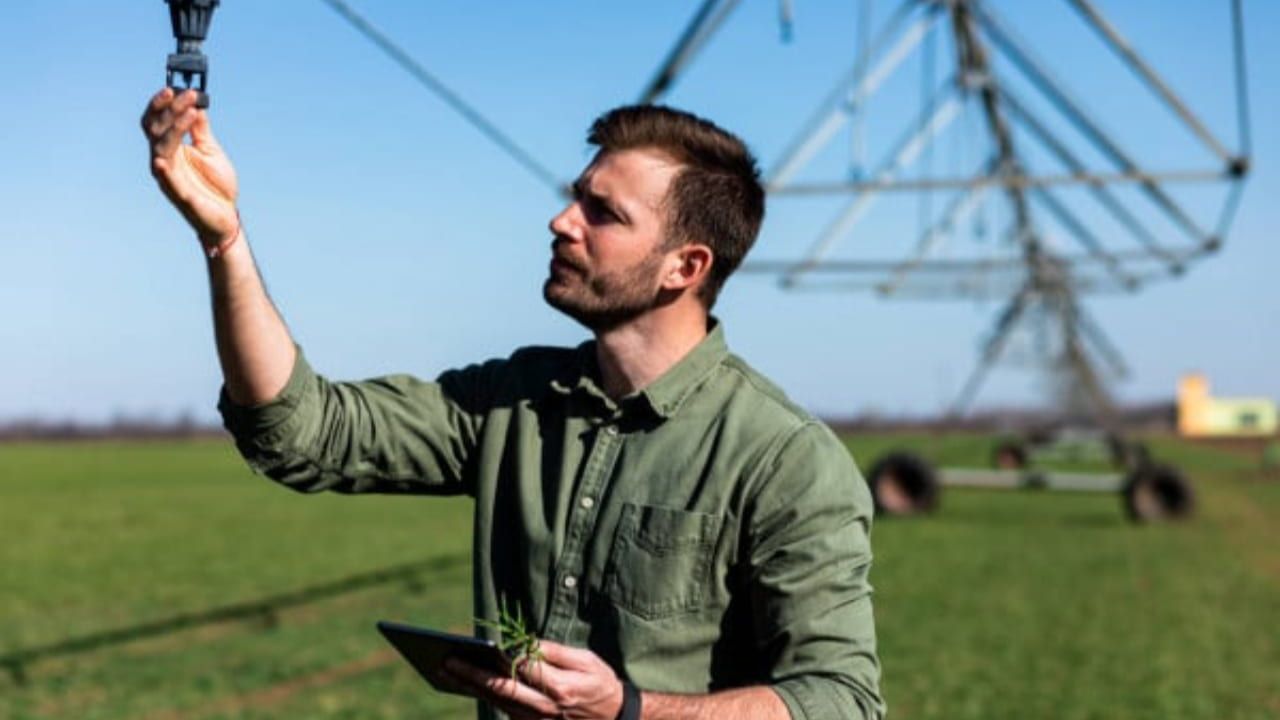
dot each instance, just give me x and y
(1002, 605)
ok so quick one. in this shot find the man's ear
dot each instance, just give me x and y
(687, 266)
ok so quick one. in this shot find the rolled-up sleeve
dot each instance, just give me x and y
(810, 558)
(393, 434)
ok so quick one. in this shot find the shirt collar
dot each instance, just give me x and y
(668, 393)
(665, 395)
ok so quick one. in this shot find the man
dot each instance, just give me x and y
(687, 542)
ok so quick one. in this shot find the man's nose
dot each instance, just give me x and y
(566, 223)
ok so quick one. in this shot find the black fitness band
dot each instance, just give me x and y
(630, 702)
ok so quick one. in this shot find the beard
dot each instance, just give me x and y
(602, 301)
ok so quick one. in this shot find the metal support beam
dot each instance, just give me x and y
(706, 21)
(992, 349)
(942, 111)
(1021, 57)
(996, 263)
(975, 69)
(960, 209)
(1121, 46)
(1005, 180)
(857, 135)
(1242, 87)
(1079, 365)
(845, 100)
(1093, 333)
(1085, 236)
(1050, 141)
(449, 97)
(1018, 479)
(924, 289)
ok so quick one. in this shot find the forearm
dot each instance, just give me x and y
(751, 703)
(254, 346)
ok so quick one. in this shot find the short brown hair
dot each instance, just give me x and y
(716, 197)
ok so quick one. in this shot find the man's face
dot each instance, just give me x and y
(607, 255)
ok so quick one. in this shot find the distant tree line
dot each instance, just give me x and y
(1157, 417)
(1152, 417)
(120, 427)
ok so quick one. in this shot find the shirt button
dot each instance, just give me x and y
(587, 503)
(570, 581)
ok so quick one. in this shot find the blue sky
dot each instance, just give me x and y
(396, 238)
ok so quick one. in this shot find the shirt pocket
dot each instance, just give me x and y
(661, 561)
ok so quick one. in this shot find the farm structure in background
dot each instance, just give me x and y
(1039, 143)
(1201, 415)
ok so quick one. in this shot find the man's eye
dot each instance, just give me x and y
(600, 212)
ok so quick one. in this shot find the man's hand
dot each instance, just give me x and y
(576, 684)
(567, 683)
(198, 178)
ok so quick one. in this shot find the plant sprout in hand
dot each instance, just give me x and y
(516, 642)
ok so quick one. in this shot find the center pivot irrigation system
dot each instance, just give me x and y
(1039, 141)
(1083, 213)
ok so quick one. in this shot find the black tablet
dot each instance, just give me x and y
(426, 650)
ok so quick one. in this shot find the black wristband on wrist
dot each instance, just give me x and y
(630, 702)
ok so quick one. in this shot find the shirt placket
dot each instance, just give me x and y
(584, 509)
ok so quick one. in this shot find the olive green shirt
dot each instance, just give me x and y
(701, 534)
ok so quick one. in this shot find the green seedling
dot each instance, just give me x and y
(516, 642)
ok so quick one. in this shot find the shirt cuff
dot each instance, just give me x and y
(814, 698)
(796, 705)
(255, 424)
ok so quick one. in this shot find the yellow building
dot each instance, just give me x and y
(1200, 415)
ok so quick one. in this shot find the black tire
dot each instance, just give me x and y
(1157, 493)
(903, 483)
(1009, 455)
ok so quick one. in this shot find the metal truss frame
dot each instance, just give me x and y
(1043, 285)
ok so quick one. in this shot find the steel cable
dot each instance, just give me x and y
(451, 98)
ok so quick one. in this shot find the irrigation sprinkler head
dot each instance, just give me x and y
(190, 20)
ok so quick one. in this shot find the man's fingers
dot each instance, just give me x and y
(187, 121)
(501, 689)
(166, 143)
(543, 676)
(164, 138)
(156, 124)
(512, 693)
(165, 105)
(569, 658)
(162, 114)
(158, 103)
(161, 99)
(186, 99)
(575, 679)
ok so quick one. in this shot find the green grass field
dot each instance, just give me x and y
(1003, 605)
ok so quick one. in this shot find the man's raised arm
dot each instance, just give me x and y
(254, 346)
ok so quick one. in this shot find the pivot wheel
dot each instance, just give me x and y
(1009, 455)
(903, 483)
(1156, 493)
